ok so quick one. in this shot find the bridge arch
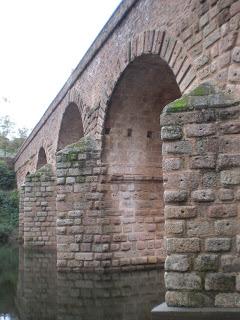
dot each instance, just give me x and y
(155, 72)
(167, 48)
(42, 158)
(71, 128)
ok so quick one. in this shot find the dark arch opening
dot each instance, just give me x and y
(133, 157)
(71, 129)
(42, 158)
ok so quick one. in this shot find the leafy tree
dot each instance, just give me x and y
(6, 126)
(7, 144)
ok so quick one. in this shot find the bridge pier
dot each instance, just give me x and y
(39, 219)
(200, 134)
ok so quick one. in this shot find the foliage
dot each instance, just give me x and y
(8, 142)
(8, 202)
(8, 213)
(7, 177)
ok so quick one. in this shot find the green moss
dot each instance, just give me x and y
(70, 153)
(203, 89)
(199, 91)
(178, 105)
(80, 179)
(72, 156)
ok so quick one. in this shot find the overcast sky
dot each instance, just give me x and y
(42, 41)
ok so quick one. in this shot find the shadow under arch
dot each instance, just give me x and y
(71, 129)
(42, 158)
(133, 159)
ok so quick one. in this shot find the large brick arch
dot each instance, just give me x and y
(153, 70)
(158, 43)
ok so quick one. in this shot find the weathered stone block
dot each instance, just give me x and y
(180, 212)
(84, 256)
(174, 227)
(230, 263)
(172, 164)
(230, 177)
(199, 130)
(236, 54)
(203, 162)
(205, 195)
(187, 299)
(171, 133)
(228, 161)
(175, 196)
(178, 147)
(177, 262)
(227, 300)
(218, 244)
(219, 282)
(222, 211)
(213, 37)
(206, 262)
(238, 243)
(226, 227)
(182, 245)
(234, 74)
(198, 227)
(182, 281)
(226, 194)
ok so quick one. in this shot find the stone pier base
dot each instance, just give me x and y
(163, 312)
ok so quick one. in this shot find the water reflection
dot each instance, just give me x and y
(8, 282)
(44, 294)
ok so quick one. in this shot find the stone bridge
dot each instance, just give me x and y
(100, 175)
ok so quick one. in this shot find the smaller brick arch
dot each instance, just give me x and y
(42, 158)
(71, 129)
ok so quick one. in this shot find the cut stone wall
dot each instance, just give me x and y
(40, 208)
(79, 217)
(95, 232)
(201, 155)
(21, 214)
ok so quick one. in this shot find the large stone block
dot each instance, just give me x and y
(183, 245)
(182, 281)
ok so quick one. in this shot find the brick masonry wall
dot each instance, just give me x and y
(201, 43)
(79, 217)
(40, 208)
(200, 135)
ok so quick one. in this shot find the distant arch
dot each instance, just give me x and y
(42, 158)
(71, 129)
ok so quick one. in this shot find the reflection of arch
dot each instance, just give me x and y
(42, 158)
(71, 129)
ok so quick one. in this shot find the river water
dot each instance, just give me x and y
(32, 289)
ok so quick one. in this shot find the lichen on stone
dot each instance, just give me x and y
(178, 105)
